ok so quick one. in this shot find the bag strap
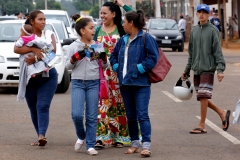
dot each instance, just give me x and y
(100, 69)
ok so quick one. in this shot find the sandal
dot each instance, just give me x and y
(99, 145)
(118, 145)
(42, 141)
(132, 150)
(226, 121)
(35, 143)
(146, 153)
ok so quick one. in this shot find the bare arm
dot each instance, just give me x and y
(54, 43)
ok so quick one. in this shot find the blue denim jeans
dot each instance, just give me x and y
(136, 100)
(85, 91)
(39, 94)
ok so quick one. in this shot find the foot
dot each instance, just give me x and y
(99, 145)
(145, 153)
(132, 150)
(42, 141)
(78, 145)
(225, 120)
(118, 145)
(35, 143)
(92, 152)
(198, 131)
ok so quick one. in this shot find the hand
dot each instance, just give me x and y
(220, 77)
(30, 59)
(103, 56)
(78, 55)
(185, 76)
(119, 3)
(37, 52)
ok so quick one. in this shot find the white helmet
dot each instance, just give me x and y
(183, 93)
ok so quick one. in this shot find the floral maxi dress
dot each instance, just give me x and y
(112, 121)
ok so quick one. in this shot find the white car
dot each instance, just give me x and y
(9, 61)
(63, 16)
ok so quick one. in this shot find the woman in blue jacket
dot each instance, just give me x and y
(131, 59)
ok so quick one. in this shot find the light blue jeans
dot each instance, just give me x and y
(85, 91)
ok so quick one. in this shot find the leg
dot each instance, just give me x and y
(78, 99)
(92, 99)
(142, 97)
(204, 106)
(130, 106)
(31, 98)
(223, 114)
(44, 98)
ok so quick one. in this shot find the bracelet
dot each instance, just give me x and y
(36, 60)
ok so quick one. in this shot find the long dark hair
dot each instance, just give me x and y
(118, 17)
(32, 16)
(137, 17)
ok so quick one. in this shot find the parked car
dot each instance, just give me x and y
(62, 16)
(63, 35)
(3, 18)
(166, 33)
(9, 61)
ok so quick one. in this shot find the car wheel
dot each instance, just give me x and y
(180, 49)
(64, 85)
(174, 49)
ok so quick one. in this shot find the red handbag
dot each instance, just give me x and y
(103, 90)
(161, 69)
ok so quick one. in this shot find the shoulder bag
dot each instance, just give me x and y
(161, 69)
(103, 89)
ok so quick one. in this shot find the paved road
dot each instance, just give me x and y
(171, 123)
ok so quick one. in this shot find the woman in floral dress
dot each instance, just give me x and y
(112, 122)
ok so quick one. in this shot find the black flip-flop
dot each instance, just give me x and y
(198, 129)
(99, 145)
(226, 120)
(118, 145)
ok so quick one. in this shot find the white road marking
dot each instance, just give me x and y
(172, 96)
(220, 131)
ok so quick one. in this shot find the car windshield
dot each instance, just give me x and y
(162, 24)
(60, 30)
(10, 32)
(58, 17)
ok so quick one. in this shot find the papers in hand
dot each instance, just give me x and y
(49, 58)
(97, 47)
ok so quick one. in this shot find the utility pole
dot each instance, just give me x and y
(157, 9)
(45, 4)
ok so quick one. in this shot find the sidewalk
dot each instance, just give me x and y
(233, 47)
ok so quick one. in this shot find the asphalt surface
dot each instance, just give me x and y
(171, 122)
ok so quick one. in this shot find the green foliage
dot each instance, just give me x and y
(83, 5)
(13, 6)
(51, 4)
(146, 6)
(95, 11)
(69, 7)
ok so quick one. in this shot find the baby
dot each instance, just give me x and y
(27, 38)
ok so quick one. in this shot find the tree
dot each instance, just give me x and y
(69, 7)
(95, 11)
(51, 4)
(83, 5)
(13, 6)
(146, 6)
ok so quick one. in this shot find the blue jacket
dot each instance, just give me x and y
(139, 62)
